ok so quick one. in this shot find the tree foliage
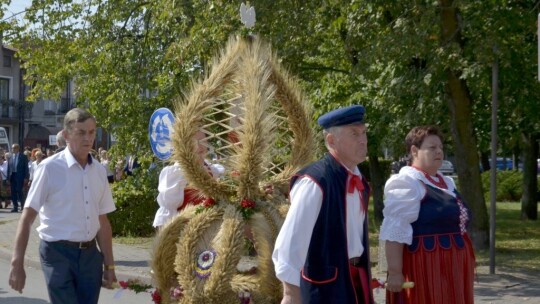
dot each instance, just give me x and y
(130, 57)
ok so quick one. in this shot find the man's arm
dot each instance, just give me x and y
(17, 275)
(104, 238)
(291, 294)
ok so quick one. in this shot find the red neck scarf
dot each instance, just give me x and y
(441, 183)
(355, 183)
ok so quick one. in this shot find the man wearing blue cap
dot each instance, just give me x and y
(321, 253)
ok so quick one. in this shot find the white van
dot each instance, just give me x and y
(4, 140)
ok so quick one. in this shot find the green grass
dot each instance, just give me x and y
(145, 242)
(517, 242)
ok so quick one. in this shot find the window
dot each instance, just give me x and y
(7, 61)
(4, 89)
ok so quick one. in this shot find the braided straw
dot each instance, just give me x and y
(190, 240)
(256, 115)
(189, 117)
(164, 251)
(228, 243)
(256, 132)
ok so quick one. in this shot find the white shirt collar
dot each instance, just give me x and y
(70, 159)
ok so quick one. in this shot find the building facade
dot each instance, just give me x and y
(31, 124)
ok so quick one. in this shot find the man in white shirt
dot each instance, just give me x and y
(321, 254)
(72, 196)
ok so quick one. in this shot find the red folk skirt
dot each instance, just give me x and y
(441, 276)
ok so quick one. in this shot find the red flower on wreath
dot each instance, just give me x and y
(247, 204)
(208, 202)
(247, 207)
(156, 297)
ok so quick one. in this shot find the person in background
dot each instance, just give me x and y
(60, 141)
(174, 192)
(424, 229)
(49, 152)
(38, 155)
(3, 182)
(71, 194)
(31, 158)
(18, 174)
(321, 254)
(132, 163)
(106, 163)
(119, 170)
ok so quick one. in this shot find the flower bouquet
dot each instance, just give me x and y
(137, 286)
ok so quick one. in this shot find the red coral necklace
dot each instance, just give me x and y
(441, 183)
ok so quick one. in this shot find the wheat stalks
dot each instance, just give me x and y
(164, 250)
(263, 228)
(189, 117)
(299, 116)
(257, 130)
(187, 245)
(228, 244)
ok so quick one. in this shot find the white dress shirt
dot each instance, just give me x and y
(402, 195)
(69, 198)
(292, 243)
(171, 191)
(4, 170)
(105, 163)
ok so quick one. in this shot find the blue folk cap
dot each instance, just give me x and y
(343, 116)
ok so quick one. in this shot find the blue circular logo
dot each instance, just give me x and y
(160, 130)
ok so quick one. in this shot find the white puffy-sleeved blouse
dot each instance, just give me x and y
(402, 195)
(172, 184)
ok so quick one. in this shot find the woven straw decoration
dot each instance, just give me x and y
(258, 127)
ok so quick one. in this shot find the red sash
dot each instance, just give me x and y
(192, 196)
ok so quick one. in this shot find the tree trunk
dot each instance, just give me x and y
(377, 184)
(460, 105)
(529, 206)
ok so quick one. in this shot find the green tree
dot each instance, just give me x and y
(409, 63)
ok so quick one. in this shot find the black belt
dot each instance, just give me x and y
(80, 245)
(356, 262)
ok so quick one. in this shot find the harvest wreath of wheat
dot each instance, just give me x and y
(258, 123)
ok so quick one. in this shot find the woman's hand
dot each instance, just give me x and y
(394, 282)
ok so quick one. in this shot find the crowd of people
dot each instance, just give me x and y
(321, 254)
(25, 163)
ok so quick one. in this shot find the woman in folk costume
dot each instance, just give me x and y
(174, 192)
(424, 228)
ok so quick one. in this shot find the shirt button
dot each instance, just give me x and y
(87, 202)
(87, 217)
(85, 187)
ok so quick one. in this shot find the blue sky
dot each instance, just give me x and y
(17, 6)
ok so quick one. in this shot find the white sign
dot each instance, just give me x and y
(52, 140)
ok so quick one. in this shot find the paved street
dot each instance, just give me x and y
(506, 287)
(35, 291)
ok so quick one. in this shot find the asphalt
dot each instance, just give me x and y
(506, 286)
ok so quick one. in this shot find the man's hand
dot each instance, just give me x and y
(109, 277)
(17, 277)
(291, 294)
